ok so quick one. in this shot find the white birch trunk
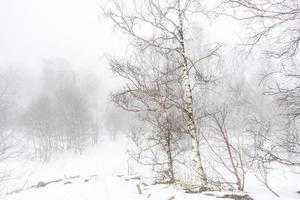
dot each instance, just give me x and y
(188, 100)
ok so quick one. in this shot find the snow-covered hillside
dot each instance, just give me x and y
(106, 187)
(103, 172)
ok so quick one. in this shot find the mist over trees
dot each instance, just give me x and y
(65, 113)
(9, 89)
(197, 113)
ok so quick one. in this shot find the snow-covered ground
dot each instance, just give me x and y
(104, 173)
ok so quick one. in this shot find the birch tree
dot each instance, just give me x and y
(162, 26)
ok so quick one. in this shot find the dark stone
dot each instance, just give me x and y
(41, 184)
(209, 194)
(72, 177)
(14, 191)
(236, 197)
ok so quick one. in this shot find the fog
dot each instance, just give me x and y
(32, 31)
(199, 95)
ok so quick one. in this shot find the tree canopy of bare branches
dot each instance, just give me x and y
(273, 20)
(160, 27)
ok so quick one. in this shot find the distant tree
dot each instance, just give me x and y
(65, 115)
(116, 121)
(39, 121)
(9, 89)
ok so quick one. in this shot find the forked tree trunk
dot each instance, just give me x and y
(188, 100)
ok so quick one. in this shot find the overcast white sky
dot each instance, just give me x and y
(33, 30)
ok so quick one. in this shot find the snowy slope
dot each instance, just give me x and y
(106, 188)
(103, 173)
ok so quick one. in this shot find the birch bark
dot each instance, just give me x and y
(188, 101)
